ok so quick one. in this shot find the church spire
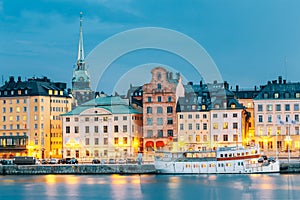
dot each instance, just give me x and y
(80, 58)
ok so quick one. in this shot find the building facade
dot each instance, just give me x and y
(30, 112)
(276, 110)
(105, 127)
(159, 111)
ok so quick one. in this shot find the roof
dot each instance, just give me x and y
(113, 104)
(32, 87)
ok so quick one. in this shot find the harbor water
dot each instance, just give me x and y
(154, 187)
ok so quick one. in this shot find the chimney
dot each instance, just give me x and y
(237, 88)
(269, 82)
(280, 79)
(170, 75)
(19, 78)
(255, 88)
(215, 81)
(11, 79)
(201, 83)
(284, 81)
(190, 83)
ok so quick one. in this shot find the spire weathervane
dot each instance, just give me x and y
(80, 58)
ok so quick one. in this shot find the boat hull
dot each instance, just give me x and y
(216, 167)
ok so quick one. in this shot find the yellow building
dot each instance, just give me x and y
(30, 117)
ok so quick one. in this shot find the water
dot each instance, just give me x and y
(154, 187)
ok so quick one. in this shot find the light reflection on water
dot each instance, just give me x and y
(258, 186)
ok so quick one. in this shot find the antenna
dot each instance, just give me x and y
(285, 67)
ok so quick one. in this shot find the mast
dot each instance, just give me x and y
(80, 57)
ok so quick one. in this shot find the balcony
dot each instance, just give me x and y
(12, 147)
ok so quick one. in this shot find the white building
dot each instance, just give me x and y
(105, 127)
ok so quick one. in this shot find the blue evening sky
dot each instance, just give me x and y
(251, 41)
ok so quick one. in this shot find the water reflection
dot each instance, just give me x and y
(263, 186)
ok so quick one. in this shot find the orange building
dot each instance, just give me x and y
(30, 117)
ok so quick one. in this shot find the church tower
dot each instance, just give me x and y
(81, 89)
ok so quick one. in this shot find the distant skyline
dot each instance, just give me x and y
(250, 41)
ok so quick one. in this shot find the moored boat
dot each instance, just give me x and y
(223, 160)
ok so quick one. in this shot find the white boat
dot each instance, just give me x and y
(224, 160)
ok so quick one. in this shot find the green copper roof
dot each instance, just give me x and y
(114, 105)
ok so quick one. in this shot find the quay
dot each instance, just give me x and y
(76, 169)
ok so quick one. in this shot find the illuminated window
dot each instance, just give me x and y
(50, 92)
(197, 138)
(215, 125)
(269, 107)
(225, 125)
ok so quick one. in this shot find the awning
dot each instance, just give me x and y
(160, 144)
(149, 144)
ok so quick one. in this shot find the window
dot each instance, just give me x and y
(296, 107)
(235, 125)
(259, 107)
(76, 129)
(297, 130)
(124, 118)
(87, 141)
(180, 116)
(104, 129)
(260, 118)
(87, 119)
(190, 116)
(159, 121)
(169, 99)
(235, 137)
(197, 138)
(149, 121)
(116, 128)
(265, 95)
(269, 118)
(181, 127)
(286, 95)
(197, 126)
(204, 116)
(96, 129)
(96, 141)
(96, 119)
(197, 116)
(68, 119)
(170, 120)
(159, 110)
(159, 99)
(234, 115)
(149, 110)
(35, 108)
(225, 138)
(215, 115)
(224, 115)
(204, 126)
(204, 138)
(125, 128)
(124, 140)
(10, 109)
(159, 133)
(190, 126)
(215, 125)
(105, 141)
(269, 107)
(170, 133)
(149, 99)
(297, 118)
(76, 119)
(276, 95)
(215, 138)
(297, 95)
(225, 125)
(287, 107)
(169, 109)
(116, 117)
(278, 107)
(159, 86)
(67, 129)
(87, 129)
(149, 133)
(116, 140)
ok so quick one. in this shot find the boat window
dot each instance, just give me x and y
(242, 153)
(247, 153)
(238, 154)
(203, 166)
(242, 163)
(230, 155)
(221, 155)
(225, 155)
(228, 164)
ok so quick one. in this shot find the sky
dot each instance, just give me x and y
(250, 41)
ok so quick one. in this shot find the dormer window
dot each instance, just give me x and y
(276, 95)
(232, 105)
(265, 95)
(297, 95)
(50, 92)
(286, 95)
(217, 106)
